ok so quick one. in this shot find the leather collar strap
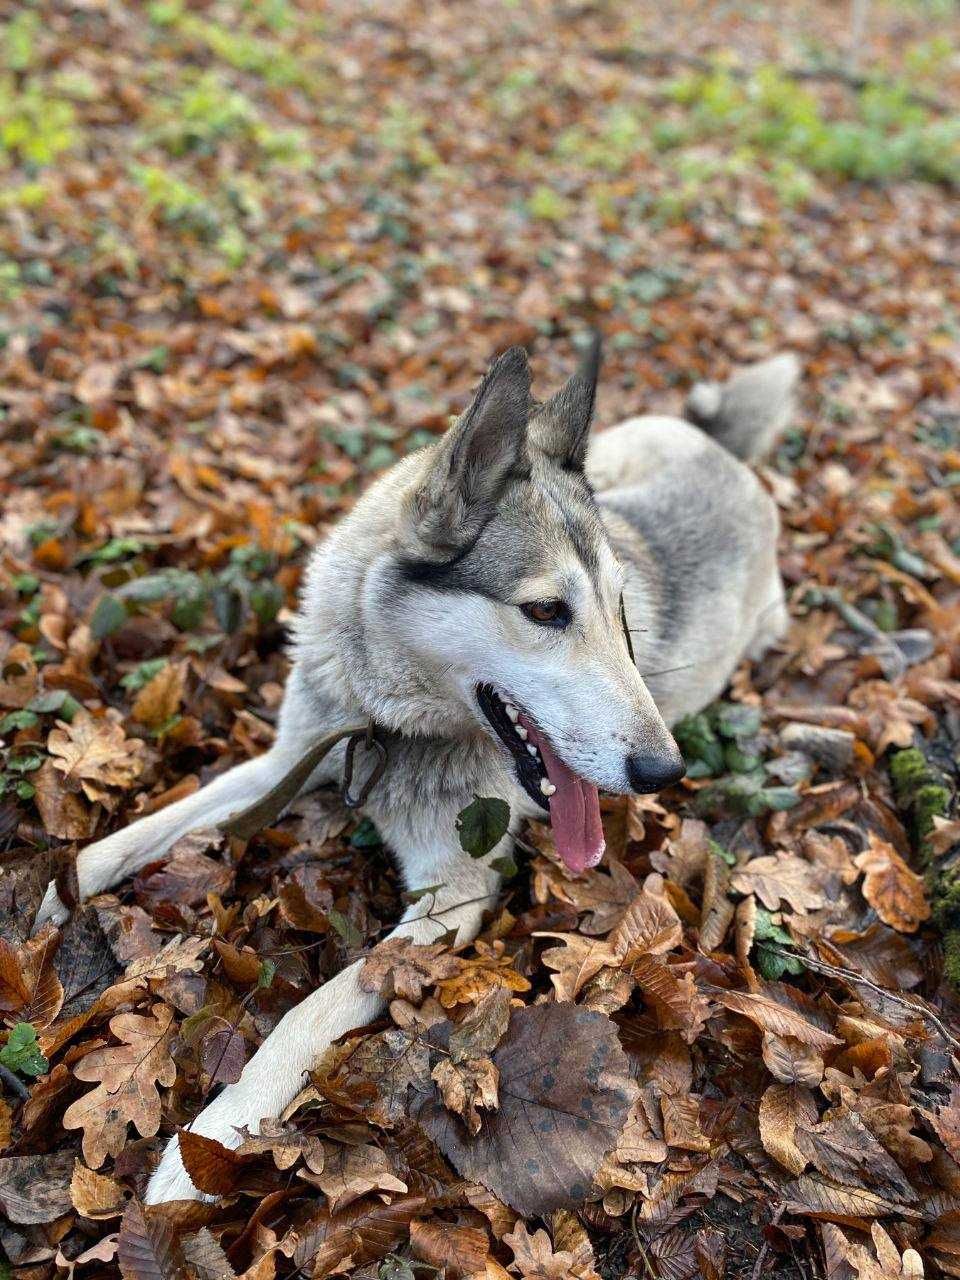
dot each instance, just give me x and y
(268, 808)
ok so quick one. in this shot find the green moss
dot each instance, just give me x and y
(929, 802)
(908, 769)
(951, 956)
(921, 791)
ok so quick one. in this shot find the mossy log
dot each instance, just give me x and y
(924, 791)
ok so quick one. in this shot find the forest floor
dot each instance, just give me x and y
(249, 254)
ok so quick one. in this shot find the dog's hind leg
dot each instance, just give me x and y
(124, 852)
(276, 1072)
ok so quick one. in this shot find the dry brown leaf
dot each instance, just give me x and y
(64, 813)
(95, 1196)
(678, 1005)
(160, 698)
(892, 888)
(780, 877)
(771, 1016)
(577, 961)
(35, 1189)
(681, 1123)
(6, 1124)
(350, 1172)
(535, 1257)
(95, 755)
(790, 1061)
(649, 925)
(491, 967)
(399, 967)
(815, 1197)
(456, 1251)
(467, 1087)
(564, 1096)
(128, 1076)
(782, 1109)
(148, 1248)
(213, 1168)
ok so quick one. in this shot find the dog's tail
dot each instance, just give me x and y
(748, 414)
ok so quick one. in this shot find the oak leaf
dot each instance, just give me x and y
(399, 967)
(95, 755)
(534, 1257)
(780, 877)
(128, 1076)
(892, 888)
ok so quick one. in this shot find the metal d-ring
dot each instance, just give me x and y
(368, 738)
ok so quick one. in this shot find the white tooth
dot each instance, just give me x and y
(521, 732)
(511, 711)
(546, 787)
(531, 748)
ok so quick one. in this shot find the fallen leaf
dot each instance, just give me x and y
(147, 1247)
(128, 1076)
(399, 967)
(564, 1097)
(95, 755)
(95, 1196)
(892, 888)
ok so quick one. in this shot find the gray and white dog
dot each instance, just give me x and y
(470, 605)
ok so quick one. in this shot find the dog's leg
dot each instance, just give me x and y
(124, 852)
(275, 1073)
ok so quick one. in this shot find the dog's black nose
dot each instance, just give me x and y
(649, 771)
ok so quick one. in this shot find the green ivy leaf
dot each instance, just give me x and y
(702, 749)
(265, 977)
(108, 616)
(22, 1052)
(736, 721)
(55, 700)
(482, 824)
(18, 720)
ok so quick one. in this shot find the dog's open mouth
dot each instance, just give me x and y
(573, 803)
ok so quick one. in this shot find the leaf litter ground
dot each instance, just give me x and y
(249, 256)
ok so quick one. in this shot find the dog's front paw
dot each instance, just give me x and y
(51, 908)
(170, 1180)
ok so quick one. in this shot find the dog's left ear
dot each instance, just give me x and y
(561, 427)
(476, 457)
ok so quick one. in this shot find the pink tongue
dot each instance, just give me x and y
(574, 809)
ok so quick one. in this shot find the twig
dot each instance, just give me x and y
(639, 1243)
(850, 975)
(765, 1247)
(14, 1083)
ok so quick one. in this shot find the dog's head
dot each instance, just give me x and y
(506, 590)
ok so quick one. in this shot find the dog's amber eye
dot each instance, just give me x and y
(548, 613)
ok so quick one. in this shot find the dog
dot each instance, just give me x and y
(473, 606)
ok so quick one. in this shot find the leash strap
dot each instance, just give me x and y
(268, 808)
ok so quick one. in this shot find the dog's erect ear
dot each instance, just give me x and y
(477, 457)
(561, 427)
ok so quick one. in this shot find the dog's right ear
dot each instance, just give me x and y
(476, 458)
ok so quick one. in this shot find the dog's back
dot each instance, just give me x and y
(698, 530)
